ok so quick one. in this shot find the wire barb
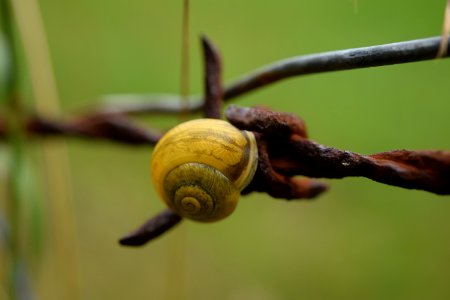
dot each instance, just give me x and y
(151, 229)
(294, 154)
(283, 145)
(213, 80)
(356, 58)
(164, 221)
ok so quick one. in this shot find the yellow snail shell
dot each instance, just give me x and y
(200, 167)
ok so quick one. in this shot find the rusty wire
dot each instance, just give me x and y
(357, 58)
(285, 150)
(112, 127)
(103, 116)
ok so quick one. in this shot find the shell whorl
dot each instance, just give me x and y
(200, 192)
(200, 167)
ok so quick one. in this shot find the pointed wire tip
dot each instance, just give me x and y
(204, 38)
(151, 229)
(209, 46)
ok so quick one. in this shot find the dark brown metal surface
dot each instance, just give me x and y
(151, 229)
(291, 153)
(113, 127)
(285, 152)
(213, 80)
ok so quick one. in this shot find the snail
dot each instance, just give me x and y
(200, 167)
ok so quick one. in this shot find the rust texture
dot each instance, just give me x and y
(285, 150)
(285, 154)
(112, 127)
(213, 80)
(151, 229)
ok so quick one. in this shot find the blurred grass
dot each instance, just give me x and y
(360, 240)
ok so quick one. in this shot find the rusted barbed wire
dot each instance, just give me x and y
(365, 57)
(100, 122)
(112, 127)
(151, 229)
(213, 80)
(287, 152)
(357, 58)
(284, 151)
(283, 145)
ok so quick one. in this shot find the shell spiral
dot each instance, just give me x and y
(199, 168)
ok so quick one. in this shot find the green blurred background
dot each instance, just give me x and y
(360, 240)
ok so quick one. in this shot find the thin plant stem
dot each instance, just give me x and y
(176, 254)
(443, 47)
(55, 162)
(16, 141)
(184, 72)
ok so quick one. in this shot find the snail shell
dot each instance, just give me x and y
(200, 167)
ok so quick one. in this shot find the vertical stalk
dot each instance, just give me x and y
(16, 141)
(443, 47)
(184, 72)
(177, 246)
(55, 166)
